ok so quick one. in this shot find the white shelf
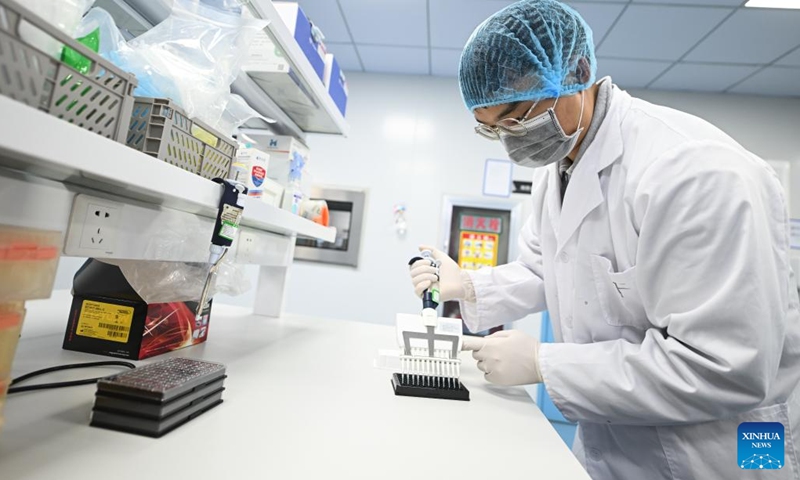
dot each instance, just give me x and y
(328, 118)
(45, 146)
(263, 104)
(141, 15)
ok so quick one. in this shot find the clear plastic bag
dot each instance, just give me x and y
(161, 282)
(63, 14)
(231, 279)
(232, 6)
(97, 32)
(191, 57)
(111, 39)
(236, 113)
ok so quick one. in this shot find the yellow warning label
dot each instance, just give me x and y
(204, 136)
(105, 321)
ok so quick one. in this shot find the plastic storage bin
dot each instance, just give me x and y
(161, 129)
(11, 317)
(99, 101)
(28, 262)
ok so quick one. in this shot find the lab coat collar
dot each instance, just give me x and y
(584, 184)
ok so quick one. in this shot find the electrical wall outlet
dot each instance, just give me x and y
(127, 230)
(94, 226)
(100, 227)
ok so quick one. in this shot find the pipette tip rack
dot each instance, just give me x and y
(429, 386)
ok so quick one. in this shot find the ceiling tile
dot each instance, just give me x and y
(444, 63)
(756, 36)
(703, 78)
(453, 21)
(345, 54)
(724, 3)
(387, 22)
(649, 32)
(793, 59)
(394, 59)
(326, 15)
(599, 17)
(776, 81)
(630, 73)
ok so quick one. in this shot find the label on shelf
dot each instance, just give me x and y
(204, 136)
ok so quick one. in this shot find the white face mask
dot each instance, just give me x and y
(544, 141)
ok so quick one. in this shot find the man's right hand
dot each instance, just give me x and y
(447, 274)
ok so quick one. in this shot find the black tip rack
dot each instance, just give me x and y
(429, 386)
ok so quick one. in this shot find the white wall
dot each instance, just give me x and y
(767, 126)
(412, 143)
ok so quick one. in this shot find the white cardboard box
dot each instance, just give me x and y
(272, 193)
(266, 57)
(250, 168)
(272, 71)
(282, 149)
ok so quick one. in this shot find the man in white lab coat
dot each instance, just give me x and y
(660, 248)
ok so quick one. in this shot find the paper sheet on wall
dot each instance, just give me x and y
(497, 178)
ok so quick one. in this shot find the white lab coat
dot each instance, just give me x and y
(667, 276)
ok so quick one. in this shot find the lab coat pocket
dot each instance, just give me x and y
(618, 295)
(711, 449)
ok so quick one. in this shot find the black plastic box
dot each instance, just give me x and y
(108, 318)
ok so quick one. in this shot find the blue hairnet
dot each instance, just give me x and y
(530, 50)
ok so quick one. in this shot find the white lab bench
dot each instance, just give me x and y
(302, 401)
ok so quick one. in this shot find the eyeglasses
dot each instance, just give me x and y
(509, 126)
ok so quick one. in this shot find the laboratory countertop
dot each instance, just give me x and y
(302, 401)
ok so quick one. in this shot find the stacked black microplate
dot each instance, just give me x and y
(157, 398)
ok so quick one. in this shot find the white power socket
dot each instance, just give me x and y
(94, 226)
(100, 227)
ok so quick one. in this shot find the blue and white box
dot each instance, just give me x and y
(336, 83)
(269, 67)
(300, 27)
(267, 57)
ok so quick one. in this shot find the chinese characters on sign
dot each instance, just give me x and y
(481, 224)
